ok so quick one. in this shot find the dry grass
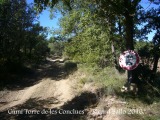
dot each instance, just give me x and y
(109, 81)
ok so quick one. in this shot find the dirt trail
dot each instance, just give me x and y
(59, 91)
(47, 88)
(44, 89)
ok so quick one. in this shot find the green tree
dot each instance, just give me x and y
(88, 34)
(152, 18)
(122, 18)
(19, 34)
(56, 45)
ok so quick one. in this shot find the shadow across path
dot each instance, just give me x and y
(72, 110)
(29, 77)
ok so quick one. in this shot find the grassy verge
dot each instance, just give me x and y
(108, 78)
(111, 81)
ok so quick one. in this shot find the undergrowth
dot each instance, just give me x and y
(108, 78)
(111, 81)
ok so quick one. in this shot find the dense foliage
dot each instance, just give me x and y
(22, 39)
(88, 36)
(56, 46)
(97, 31)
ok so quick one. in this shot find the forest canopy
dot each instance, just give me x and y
(97, 31)
(22, 39)
(92, 28)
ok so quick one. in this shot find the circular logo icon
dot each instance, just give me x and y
(129, 60)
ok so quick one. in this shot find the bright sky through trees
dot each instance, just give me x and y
(46, 21)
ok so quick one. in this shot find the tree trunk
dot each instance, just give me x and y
(156, 58)
(129, 26)
(114, 55)
(129, 31)
(30, 52)
(154, 70)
